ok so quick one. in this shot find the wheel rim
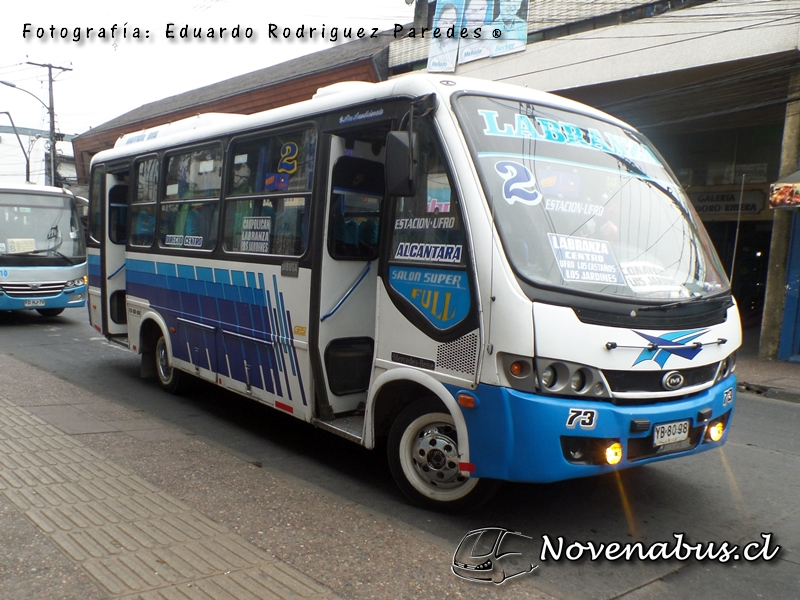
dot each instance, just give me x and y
(429, 457)
(162, 362)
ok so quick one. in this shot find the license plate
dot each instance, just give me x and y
(669, 433)
(34, 303)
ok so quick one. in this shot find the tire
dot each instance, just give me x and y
(49, 312)
(424, 459)
(169, 379)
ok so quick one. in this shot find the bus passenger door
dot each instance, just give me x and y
(349, 273)
(114, 234)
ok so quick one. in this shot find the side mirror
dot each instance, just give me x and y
(402, 157)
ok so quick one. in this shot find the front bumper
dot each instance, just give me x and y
(519, 436)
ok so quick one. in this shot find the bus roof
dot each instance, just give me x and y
(33, 188)
(339, 95)
(176, 127)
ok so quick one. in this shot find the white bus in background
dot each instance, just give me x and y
(505, 284)
(42, 250)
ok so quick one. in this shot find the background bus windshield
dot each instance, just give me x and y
(585, 205)
(40, 230)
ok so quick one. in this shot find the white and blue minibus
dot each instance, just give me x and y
(42, 250)
(500, 283)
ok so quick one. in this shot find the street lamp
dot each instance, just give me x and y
(52, 126)
(27, 158)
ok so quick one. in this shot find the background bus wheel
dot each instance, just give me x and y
(168, 378)
(49, 312)
(424, 457)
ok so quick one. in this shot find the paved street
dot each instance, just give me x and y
(110, 488)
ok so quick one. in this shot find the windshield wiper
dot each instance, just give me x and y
(687, 301)
(41, 251)
(635, 169)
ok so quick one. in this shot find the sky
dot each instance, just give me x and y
(109, 77)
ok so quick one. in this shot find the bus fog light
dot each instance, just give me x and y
(599, 389)
(614, 453)
(548, 377)
(715, 431)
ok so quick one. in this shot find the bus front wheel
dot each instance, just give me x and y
(169, 379)
(49, 312)
(424, 460)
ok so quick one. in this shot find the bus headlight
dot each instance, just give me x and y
(571, 379)
(548, 377)
(577, 380)
(726, 367)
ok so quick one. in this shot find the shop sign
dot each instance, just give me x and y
(727, 203)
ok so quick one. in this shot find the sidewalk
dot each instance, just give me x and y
(98, 501)
(770, 378)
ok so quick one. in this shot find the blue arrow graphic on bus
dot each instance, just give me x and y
(661, 348)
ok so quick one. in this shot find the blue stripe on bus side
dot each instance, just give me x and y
(93, 270)
(186, 272)
(222, 276)
(167, 269)
(237, 278)
(231, 300)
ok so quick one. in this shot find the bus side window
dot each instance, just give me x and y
(143, 208)
(189, 210)
(358, 186)
(96, 199)
(429, 238)
(118, 213)
(268, 195)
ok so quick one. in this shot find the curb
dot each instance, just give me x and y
(768, 392)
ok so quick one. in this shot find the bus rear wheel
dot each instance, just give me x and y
(169, 379)
(49, 312)
(424, 460)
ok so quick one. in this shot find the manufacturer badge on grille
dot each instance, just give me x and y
(672, 381)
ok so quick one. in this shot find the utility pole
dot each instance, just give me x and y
(52, 110)
(420, 13)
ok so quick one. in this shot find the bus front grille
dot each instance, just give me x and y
(652, 381)
(40, 289)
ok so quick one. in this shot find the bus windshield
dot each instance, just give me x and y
(585, 205)
(40, 229)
